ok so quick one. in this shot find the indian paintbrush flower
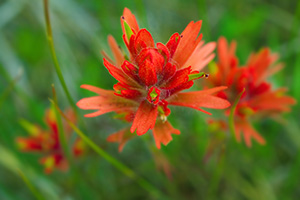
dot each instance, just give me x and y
(259, 99)
(47, 143)
(151, 78)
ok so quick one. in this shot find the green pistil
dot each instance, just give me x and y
(197, 76)
(153, 94)
(128, 30)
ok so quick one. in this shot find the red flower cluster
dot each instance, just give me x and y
(152, 78)
(258, 99)
(47, 142)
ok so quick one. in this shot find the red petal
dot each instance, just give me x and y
(145, 118)
(104, 54)
(201, 56)
(273, 101)
(118, 74)
(130, 70)
(29, 144)
(173, 43)
(147, 73)
(163, 50)
(118, 55)
(121, 137)
(223, 54)
(131, 47)
(162, 133)
(212, 90)
(153, 56)
(130, 94)
(181, 87)
(180, 77)
(106, 102)
(104, 105)
(130, 20)
(188, 43)
(143, 40)
(168, 72)
(97, 90)
(199, 99)
(249, 132)
(260, 62)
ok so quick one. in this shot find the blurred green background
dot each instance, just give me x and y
(80, 29)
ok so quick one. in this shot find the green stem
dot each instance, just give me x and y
(120, 166)
(52, 49)
(232, 111)
(30, 186)
(61, 132)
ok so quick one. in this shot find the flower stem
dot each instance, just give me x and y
(120, 166)
(232, 111)
(52, 49)
(33, 190)
(61, 132)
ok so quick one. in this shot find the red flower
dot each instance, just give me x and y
(258, 99)
(47, 142)
(152, 78)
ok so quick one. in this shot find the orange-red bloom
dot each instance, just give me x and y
(47, 142)
(151, 78)
(259, 99)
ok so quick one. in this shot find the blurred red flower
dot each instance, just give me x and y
(47, 142)
(152, 78)
(259, 99)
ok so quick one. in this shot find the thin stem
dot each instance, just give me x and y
(61, 132)
(232, 111)
(120, 166)
(52, 49)
(30, 186)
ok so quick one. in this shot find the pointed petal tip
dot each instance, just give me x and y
(90, 115)
(110, 37)
(138, 132)
(126, 10)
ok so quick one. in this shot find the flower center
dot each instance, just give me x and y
(153, 95)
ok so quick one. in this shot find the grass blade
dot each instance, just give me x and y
(61, 132)
(30, 186)
(54, 57)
